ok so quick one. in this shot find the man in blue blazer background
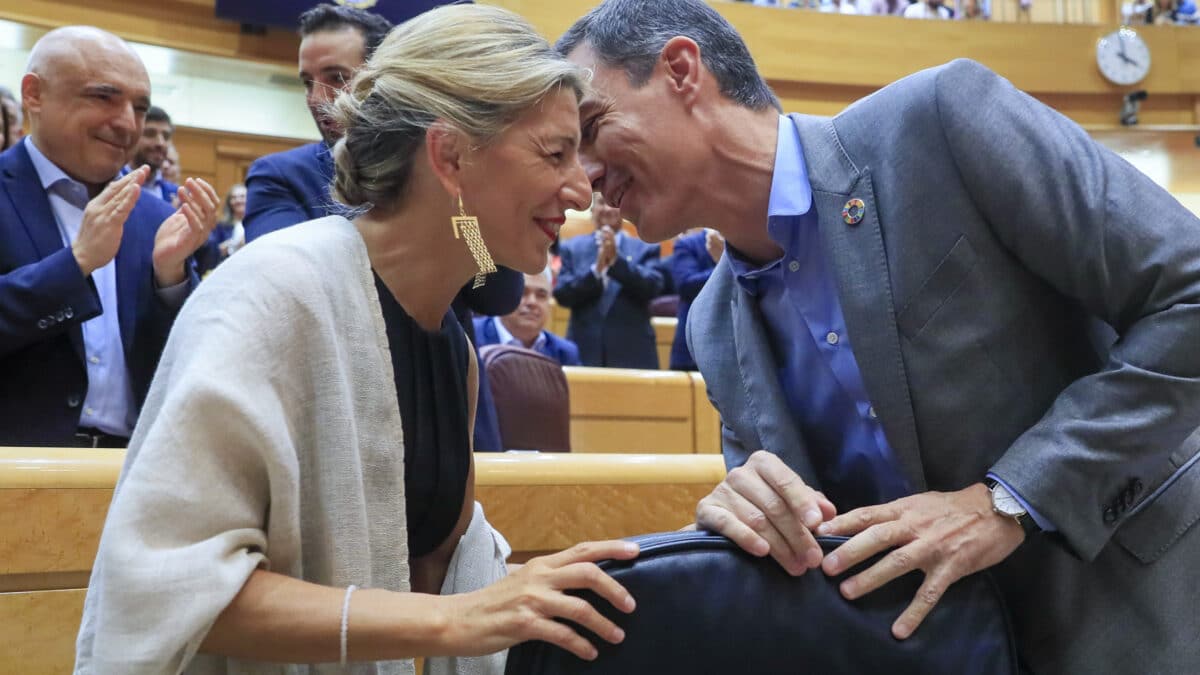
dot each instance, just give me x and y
(607, 281)
(526, 326)
(152, 149)
(692, 262)
(91, 277)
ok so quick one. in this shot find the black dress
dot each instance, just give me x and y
(431, 384)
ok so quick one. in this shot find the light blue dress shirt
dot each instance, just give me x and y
(817, 370)
(507, 338)
(109, 405)
(797, 295)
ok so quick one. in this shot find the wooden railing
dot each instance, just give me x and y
(54, 503)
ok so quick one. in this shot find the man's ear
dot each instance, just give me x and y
(446, 149)
(681, 60)
(32, 88)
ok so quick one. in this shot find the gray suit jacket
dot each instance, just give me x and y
(999, 245)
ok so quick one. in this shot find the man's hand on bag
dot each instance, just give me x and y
(947, 535)
(765, 507)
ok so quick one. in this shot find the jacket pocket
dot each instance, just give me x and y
(947, 277)
(1167, 514)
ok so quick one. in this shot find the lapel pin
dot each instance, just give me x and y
(852, 212)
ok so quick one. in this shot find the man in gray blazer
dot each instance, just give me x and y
(945, 314)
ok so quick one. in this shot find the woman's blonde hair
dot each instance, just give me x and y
(475, 67)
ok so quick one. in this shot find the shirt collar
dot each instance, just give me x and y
(507, 338)
(791, 197)
(47, 171)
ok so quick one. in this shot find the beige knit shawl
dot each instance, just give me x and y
(271, 437)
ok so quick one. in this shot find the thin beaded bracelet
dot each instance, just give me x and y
(346, 621)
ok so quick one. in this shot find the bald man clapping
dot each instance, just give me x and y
(92, 271)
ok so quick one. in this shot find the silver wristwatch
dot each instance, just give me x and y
(1005, 504)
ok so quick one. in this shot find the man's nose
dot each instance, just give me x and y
(594, 168)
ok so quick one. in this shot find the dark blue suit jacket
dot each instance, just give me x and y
(611, 324)
(291, 187)
(44, 299)
(691, 265)
(560, 349)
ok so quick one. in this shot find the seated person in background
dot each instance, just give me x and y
(693, 261)
(11, 130)
(332, 449)
(229, 235)
(607, 280)
(91, 277)
(525, 327)
(151, 151)
(293, 186)
(927, 9)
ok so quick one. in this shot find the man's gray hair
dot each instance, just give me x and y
(630, 34)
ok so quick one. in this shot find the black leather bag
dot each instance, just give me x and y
(706, 606)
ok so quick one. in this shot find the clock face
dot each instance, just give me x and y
(1123, 57)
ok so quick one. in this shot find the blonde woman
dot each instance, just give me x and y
(311, 500)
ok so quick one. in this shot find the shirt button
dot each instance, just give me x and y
(89, 411)
(871, 413)
(832, 338)
(93, 359)
(794, 266)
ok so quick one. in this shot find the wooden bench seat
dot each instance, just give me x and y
(55, 501)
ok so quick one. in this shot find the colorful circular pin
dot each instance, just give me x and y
(853, 211)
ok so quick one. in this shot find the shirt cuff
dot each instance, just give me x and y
(1042, 523)
(173, 296)
(602, 276)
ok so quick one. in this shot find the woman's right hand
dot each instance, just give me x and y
(526, 604)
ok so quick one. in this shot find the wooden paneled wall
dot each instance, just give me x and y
(817, 62)
(222, 158)
(190, 25)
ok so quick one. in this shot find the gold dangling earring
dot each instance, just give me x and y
(467, 227)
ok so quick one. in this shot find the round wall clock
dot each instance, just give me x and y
(1123, 56)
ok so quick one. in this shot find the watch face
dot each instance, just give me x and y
(1005, 503)
(1123, 57)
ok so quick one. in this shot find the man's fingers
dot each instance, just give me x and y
(734, 511)
(781, 503)
(893, 565)
(800, 499)
(718, 518)
(928, 596)
(873, 540)
(852, 522)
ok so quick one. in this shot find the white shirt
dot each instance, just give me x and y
(507, 338)
(109, 405)
(922, 10)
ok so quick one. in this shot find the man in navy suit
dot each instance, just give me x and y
(92, 272)
(291, 187)
(692, 262)
(525, 327)
(152, 148)
(607, 281)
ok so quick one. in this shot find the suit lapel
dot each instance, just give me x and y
(129, 273)
(32, 206)
(858, 258)
(760, 378)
